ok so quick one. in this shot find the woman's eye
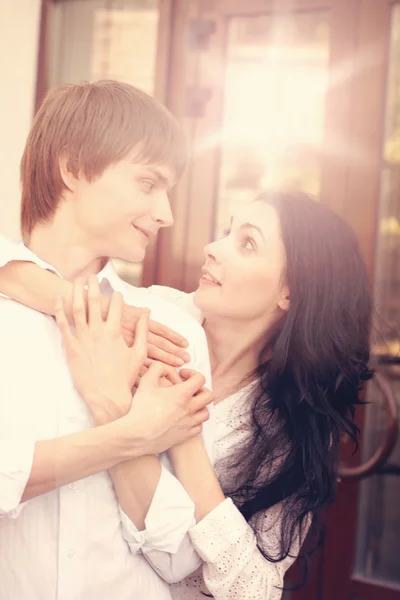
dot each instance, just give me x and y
(248, 244)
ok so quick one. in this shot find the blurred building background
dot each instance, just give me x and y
(288, 93)
(19, 43)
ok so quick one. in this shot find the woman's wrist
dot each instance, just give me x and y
(188, 447)
(186, 451)
(192, 465)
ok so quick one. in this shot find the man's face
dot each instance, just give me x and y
(122, 210)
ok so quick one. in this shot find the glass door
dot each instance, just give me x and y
(292, 94)
(377, 558)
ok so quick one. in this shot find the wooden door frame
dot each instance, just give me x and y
(161, 89)
(259, 7)
(363, 186)
(176, 245)
(175, 72)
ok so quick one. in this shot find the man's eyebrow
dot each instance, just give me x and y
(161, 178)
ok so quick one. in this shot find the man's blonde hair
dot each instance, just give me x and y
(92, 125)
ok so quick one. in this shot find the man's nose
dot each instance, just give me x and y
(162, 213)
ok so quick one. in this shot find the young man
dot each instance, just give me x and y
(96, 171)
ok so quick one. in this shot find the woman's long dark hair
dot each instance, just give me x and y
(309, 387)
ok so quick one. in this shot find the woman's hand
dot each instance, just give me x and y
(170, 375)
(168, 409)
(164, 344)
(103, 367)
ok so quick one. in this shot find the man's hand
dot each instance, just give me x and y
(168, 415)
(163, 344)
(103, 368)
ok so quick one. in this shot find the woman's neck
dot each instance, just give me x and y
(234, 347)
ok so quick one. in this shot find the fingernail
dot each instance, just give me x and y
(185, 344)
(179, 362)
(186, 357)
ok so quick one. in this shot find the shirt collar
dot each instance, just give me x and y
(108, 272)
(26, 254)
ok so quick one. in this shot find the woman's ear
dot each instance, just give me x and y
(284, 300)
(67, 176)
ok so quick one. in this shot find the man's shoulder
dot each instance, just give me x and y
(24, 331)
(10, 307)
(164, 311)
(20, 319)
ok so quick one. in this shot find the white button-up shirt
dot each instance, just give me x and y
(75, 543)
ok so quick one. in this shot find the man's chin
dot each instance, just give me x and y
(134, 256)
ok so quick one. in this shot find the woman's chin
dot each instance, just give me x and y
(204, 301)
(196, 297)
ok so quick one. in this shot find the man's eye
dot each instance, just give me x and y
(148, 184)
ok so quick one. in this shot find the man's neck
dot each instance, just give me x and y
(65, 248)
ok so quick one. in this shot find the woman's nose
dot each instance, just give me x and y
(211, 251)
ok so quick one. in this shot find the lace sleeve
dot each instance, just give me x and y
(234, 568)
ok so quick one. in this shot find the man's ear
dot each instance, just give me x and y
(67, 176)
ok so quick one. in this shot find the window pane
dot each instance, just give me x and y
(276, 81)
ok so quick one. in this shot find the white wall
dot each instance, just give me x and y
(19, 37)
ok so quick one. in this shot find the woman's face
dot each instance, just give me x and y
(246, 268)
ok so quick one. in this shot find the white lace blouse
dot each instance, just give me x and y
(234, 568)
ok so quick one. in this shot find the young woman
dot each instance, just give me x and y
(285, 304)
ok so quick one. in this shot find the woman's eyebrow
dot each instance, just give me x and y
(250, 226)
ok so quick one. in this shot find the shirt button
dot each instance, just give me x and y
(71, 554)
(72, 485)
